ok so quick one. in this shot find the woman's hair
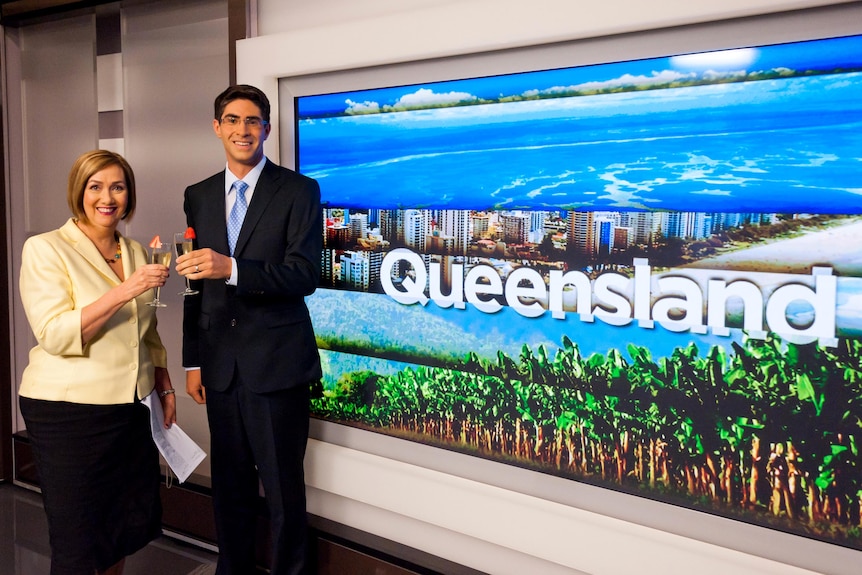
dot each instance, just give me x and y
(85, 167)
(242, 92)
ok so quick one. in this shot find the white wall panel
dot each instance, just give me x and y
(457, 507)
(501, 531)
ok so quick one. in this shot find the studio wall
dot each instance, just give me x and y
(494, 518)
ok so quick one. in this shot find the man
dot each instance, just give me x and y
(248, 344)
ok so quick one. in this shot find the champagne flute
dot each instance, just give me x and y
(160, 253)
(184, 245)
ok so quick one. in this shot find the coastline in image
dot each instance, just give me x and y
(836, 247)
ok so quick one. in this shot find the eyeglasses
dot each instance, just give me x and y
(250, 122)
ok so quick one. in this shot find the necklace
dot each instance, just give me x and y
(117, 255)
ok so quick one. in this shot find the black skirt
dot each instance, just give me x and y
(99, 473)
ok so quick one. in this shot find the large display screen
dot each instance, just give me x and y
(643, 275)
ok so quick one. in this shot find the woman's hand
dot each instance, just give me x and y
(95, 315)
(144, 279)
(169, 400)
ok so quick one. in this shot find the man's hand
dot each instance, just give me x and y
(204, 264)
(194, 387)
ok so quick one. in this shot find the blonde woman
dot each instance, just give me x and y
(84, 288)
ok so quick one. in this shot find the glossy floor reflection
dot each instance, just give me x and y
(24, 543)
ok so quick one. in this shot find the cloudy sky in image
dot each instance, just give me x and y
(814, 55)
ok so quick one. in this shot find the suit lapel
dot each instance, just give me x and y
(265, 190)
(82, 244)
(128, 261)
(213, 218)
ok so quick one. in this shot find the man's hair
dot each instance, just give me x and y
(242, 92)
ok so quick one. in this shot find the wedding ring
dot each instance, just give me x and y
(197, 269)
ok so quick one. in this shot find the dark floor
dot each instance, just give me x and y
(24, 543)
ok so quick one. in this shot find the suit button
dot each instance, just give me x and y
(233, 323)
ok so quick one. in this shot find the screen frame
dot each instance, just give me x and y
(811, 24)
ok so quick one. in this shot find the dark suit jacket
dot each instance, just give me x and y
(261, 326)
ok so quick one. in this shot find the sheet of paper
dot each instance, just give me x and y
(181, 453)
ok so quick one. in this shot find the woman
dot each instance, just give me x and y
(84, 288)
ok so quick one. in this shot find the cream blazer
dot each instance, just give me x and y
(61, 272)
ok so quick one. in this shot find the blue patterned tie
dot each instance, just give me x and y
(237, 214)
